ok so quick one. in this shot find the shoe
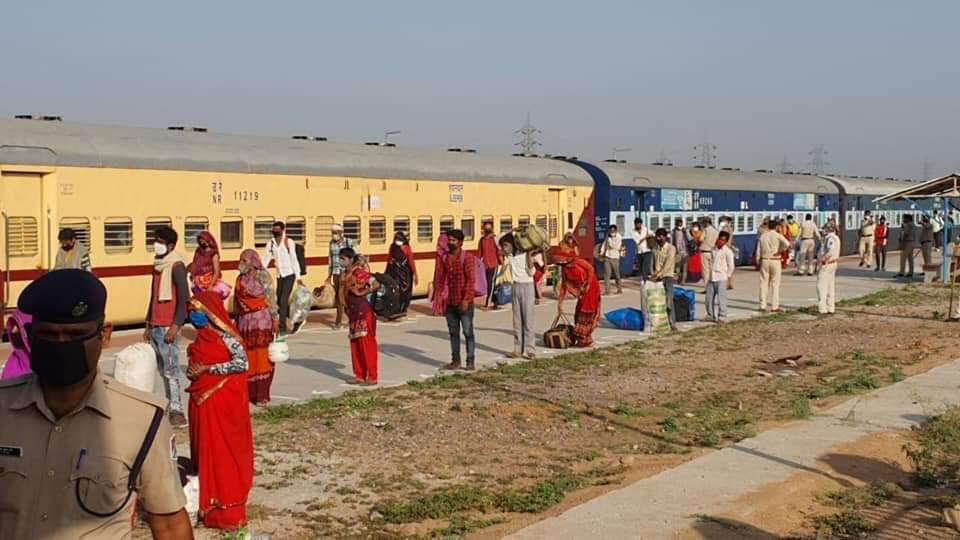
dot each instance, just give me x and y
(530, 356)
(297, 327)
(178, 419)
(453, 366)
(470, 366)
(354, 381)
(810, 274)
(337, 326)
(898, 275)
(909, 276)
(861, 263)
(368, 383)
(514, 355)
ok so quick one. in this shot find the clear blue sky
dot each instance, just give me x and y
(876, 81)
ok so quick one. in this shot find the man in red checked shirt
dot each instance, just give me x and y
(492, 259)
(460, 276)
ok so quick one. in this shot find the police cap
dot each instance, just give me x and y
(64, 296)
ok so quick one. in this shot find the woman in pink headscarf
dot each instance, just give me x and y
(19, 361)
(438, 292)
(205, 269)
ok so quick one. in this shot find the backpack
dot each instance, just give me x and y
(301, 257)
(480, 285)
(388, 300)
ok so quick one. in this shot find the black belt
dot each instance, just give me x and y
(807, 238)
(867, 236)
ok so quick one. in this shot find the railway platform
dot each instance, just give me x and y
(417, 348)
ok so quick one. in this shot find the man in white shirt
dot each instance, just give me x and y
(723, 264)
(827, 278)
(523, 298)
(282, 250)
(611, 251)
(641, 237)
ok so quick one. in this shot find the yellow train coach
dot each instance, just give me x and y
(115, 185)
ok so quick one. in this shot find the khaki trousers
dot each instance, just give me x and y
(865, 249)
(770, 273)
(706, 261)
(906, 257)
(827, 288)
(807, 261)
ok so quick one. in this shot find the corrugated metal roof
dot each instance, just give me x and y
(944, 186)
(33, 142)
(870, 186)
(636, 175)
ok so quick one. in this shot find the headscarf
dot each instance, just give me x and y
(208, 347)
(442, 248)
(203, 259)
(18, 363)
(397, 254)
(251, 279)
(562, 255)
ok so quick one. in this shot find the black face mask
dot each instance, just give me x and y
(59, 363)
(66, 247)
(277, 234)
(452, 247)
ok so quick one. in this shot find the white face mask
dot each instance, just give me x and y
(160, 249)
(399, 243)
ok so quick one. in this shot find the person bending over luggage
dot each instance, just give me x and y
(357, 285)
(579, 280)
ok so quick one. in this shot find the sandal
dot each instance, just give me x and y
(354, 380)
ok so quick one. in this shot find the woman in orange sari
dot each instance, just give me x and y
(579, 280)
(221, 438)
(258, 319)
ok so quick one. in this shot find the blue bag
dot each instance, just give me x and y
(684, 304)
(626, 318)
(504, 294)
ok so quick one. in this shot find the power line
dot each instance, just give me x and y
(818, 159)
(528, 142)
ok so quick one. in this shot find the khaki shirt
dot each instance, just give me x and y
(665, 261)
(772, 244)
(709, 241)
(808, 231)
(866, 228)
(44, 460)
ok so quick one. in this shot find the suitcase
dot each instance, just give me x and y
(559, 336)
(530, 237)
(684, 304)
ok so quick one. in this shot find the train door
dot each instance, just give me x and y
(21, 203)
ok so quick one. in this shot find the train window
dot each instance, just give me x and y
(468, 226)
(751, 225)
(425, 229)
(619, 204)
(351, 228)
(297, 229)
(741, 223)
(402, 224)
(262, 231)
(541, 221)
(322, 226)
(523, 221)
(554, 230)
(154, 223)
(23, 236)
(506, 224)
(80, 226)
(118, 235)
(377, 227)
(899, 219)
(192, 226)
(850, 220)
(447, 224)
(231, 233)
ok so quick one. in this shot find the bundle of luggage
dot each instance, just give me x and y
(531, 238)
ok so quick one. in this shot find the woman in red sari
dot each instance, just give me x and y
(579, 280)
(357, 285)
(255, 306)
(221, 438)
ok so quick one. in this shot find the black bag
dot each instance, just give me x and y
(301, 257)
(388, 300)
(681, 308)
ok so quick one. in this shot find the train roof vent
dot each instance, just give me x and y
(197, 129)
(454, 150)
(888, 178)
(559, 157)
(41, 117)
(788, 172)
(469, 150)
(517, 155)
(767, 171)
(726, 168)
(613, 161)
(176, 128)
(371, 143)
(699, 167)
(300, 138)
(319, 139)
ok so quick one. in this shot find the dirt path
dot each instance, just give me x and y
(489, 453)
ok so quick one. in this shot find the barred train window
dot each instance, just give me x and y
(297, 229)
(192, 226)
(523, 220)
(322, 225)
(468, 226)
(741, 223)
(402, 224)
(262, 231)
(750, 224)
(80, 226)
(378, 230)
(446, 224)
(554, 229)
(231, 233)
(22, 236)
(118, 235)
(425, 229)
(351, 228)
(541, 221)
(154, 223)
(506, 224)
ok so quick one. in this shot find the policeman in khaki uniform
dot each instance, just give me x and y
(770, 246)
(77, 448)
(865, 247)
(808, 234)
(827, 277)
